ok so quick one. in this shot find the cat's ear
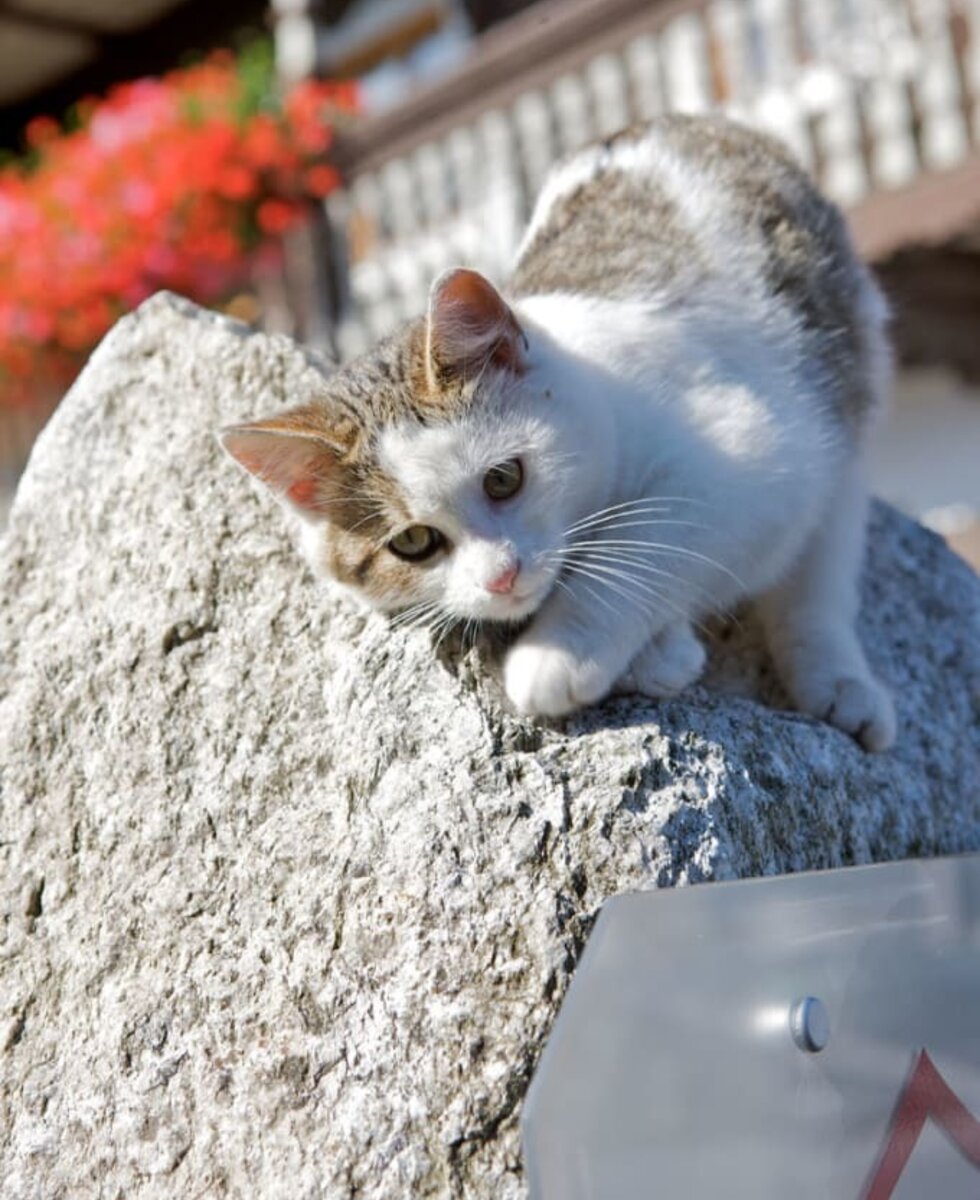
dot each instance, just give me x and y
(469, 326)
(295, 454)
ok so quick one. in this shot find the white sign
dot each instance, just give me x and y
(810, 1036)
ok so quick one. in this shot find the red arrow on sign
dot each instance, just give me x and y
(926, 1094)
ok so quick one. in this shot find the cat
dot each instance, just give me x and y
(662, 414)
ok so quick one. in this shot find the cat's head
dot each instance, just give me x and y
(437, 470)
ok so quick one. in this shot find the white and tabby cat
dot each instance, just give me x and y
(662, 413)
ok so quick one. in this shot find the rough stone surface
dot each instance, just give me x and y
(290, 901)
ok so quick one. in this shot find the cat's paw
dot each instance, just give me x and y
(550, 681)
(857, 704)
(667, 664)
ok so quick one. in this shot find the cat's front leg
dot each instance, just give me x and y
(574, 651)
(669, 662)
(809, 620)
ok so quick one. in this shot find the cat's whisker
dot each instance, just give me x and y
(604, 601)
(707, 600)
(650, 499)
(442, 628)
(633, 551)
(416, 616)
(607, 576)
(585, 553)
(403, 614)
(614, 572)
(434, 623)
(629, 558)
(323, 507)
(652, 513)
(411, 624)
(582, 620)
(471, 631)
(419, 619)
(371, 516)
(661, 548)
(624, 508)
(342, 492)
(613, 591)
(611, 568)
(604, 514)
(337, 488)
(442, 624)
(647, 589)
(636, 520)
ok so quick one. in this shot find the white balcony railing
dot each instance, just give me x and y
(868, 93)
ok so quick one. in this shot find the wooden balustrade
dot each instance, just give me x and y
(879, 98)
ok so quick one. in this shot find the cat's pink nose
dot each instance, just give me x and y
(504, 582)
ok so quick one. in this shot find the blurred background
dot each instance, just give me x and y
(310, 165)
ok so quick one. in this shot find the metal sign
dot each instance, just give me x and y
(811, 1036)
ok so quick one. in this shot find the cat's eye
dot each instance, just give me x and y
(504, 480)
(416, 542)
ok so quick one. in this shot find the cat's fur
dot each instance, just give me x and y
(686, 365)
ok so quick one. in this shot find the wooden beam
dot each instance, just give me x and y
(148, 50)
(48, 22)
(932, 209)
(934, 294)
(529, 50)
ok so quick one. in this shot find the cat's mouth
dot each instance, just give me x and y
(510, 608)
(518, 605)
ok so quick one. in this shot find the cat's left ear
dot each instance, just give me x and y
(296, 454)
(469, 326)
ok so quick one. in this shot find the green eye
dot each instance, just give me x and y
(416, 542)
(504, 480)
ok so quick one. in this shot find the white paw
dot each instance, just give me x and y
(551, 681)
(667, 664)
(858, 705)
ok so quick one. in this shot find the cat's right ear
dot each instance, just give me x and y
(470, 326)
(294, 454)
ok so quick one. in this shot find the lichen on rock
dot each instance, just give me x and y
(289, 897)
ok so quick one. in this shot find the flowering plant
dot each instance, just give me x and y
(181, 182)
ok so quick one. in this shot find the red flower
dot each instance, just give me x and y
(237, 182)
(41, 131)
(321, 180)
(186, 182)
(275, 216)
(262, 143)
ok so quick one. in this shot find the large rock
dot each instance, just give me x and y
(290, 900)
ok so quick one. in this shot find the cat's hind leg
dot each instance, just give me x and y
(667, 664)
(809, 619)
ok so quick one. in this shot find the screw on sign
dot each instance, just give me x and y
(926, 1094)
